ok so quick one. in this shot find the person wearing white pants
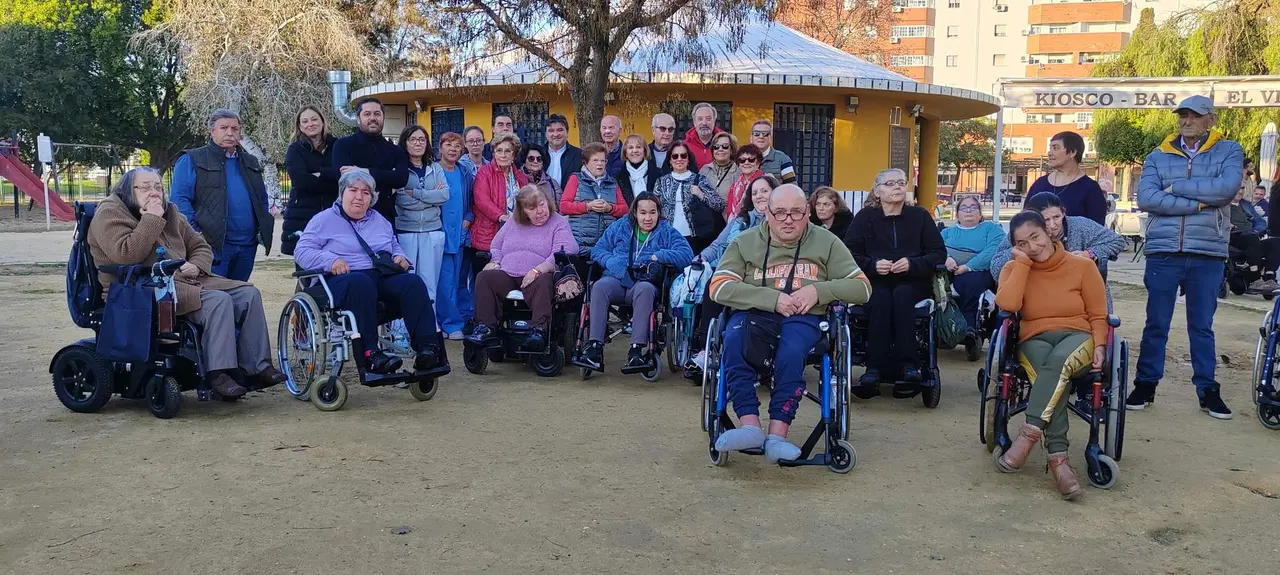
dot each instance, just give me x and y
(418, 224)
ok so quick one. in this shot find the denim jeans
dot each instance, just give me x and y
(1201, 276)
(235, 262)
(799, 334)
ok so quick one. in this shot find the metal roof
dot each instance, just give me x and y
(770, 54)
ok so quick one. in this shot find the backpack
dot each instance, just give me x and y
(84, 295)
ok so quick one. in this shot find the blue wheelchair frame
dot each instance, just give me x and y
(832, 398)
(1265, 393)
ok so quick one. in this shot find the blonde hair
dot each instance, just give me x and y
(643, 144)
(528, 198)
(506, 138)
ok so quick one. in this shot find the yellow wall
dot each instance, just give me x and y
(861, 139)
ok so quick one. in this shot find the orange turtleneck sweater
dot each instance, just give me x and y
(1063, 292)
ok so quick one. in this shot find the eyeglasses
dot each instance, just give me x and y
(533, 159)
(784, 215)
(760, 133)
(151, 188)
(665, 128)
(679, 156)
(417, 140)
(969, 208)
(748, 160)
(721, 147)
(475, 141)
(895, 183)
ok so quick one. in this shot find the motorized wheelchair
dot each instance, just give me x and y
(1266, 393)
(1099, 398)
(831, 358)
(84, 381)
(509, 339)
(661, 324)
(924, 322)
(316, 339)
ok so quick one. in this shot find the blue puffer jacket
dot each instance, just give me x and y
(1188, 198)
(711, 255)
(617, 251)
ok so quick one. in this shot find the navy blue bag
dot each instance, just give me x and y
(126, 333)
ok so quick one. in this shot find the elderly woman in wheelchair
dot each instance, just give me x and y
(778, 279)
(137, 226)
(354, 262)
(1063, 333)
(634, 253)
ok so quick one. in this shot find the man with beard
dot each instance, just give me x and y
(699, 136)
(367, 149)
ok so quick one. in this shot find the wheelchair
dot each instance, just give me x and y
(831, 358)
(1266, 388)
(982, 324)
(925, 320)
(84, 381)
(509, 339)
(684, 314)
(661, 325)
(316, 339)
(1237, 276)
(1004, 388)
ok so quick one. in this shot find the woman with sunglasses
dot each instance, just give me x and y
(533, 159)
(748, 159)
(970, 245)
(898, 246)
(684, 193)
(722, 171)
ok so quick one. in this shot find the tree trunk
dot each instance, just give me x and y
(270, 175)
(587, 91)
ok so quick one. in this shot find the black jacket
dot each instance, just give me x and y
(839, 225)
(570, 163)
(387, 162)
(210, 200)
(624, 180)
(311, 193)
(665, 167)
(912, 234)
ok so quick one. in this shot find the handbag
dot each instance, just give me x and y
(127, 331)
(382, 261)
(568, 284)
(764, 329)
(704, 222)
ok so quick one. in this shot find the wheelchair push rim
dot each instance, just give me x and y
(303, 344)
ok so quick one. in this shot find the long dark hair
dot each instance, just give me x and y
(1043, 201)
(429, 154)
(297, 125)
(643, 197)
(1026, 217)
(693, 162)
(747, 206)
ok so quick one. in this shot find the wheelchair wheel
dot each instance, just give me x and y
(973, 350)
(986, 412)
(303, 344)
(550, 363)
(931, 395)
(1105, 473)
(675, 346)
(82, 381)
(475, 358)
(652, 376)
(1113, 442)
(164, 397)
(842, 381)
(842, 457)
(710, 374)
(425, 389)
(329, 395)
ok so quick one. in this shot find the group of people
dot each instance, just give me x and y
(430, 232)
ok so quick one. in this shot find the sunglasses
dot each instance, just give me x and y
(759, 133)
(748, 160)
(721, 147)
(533, 159)
(665, 128)
(679, 156)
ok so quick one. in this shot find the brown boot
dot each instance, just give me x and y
(1064, 476)
(226, 387)
(1013, 459)
(267, 377)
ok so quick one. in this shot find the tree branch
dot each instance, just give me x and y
(514, 35)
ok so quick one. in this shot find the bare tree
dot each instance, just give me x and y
(859, 28)
(576, 42)
(264, 59)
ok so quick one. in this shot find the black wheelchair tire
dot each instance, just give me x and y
(92, 375)
(164, 397)
(549, 363)
(931, 395)
(475, 358)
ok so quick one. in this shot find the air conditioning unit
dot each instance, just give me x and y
(1023, 59)
(895, 40)
(1024, 31)
(1001, 8)
(897, 8)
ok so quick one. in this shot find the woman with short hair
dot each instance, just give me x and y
(637, 174)
(1080, 194)
(592, 200)
(722, 170)
(497, 184)
(971, 243)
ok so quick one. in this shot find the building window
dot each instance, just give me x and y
(911, 60)
(911, 31)
(953, 61)
(1059, 58)
(446, 119)
(1096, 58)
(953, 4)
(1033, 118)
(953, 31)
(682, 111)
(806, 132)
(530, 119)
(895, 116)
(997, 59)
(1001, 30)
(1084, 117)
(1059, 29)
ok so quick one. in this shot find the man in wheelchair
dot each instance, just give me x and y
(779, 278)
(1246, 244)
(358, 248)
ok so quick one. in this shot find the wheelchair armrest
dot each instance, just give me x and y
(168, 267)
(1003, 315)
(310, 273)
(1113, 320)
(942, 267)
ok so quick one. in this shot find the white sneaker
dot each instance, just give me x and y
(700, 359)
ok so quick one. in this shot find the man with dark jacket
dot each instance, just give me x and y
(664, 134)
(566, 159)
(1186, 189)
(219, 188)
(366, 148)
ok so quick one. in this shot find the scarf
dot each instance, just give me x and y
(736, 190)
(639, 177)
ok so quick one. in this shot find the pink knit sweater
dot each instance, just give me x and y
(519, 248)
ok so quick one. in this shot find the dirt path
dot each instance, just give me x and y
(511, 473)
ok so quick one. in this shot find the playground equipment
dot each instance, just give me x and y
(26, 181)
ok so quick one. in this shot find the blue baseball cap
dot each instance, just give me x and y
(1201, 105)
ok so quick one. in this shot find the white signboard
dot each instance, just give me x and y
(1023, 145)
(44, 149)
(1163, 95)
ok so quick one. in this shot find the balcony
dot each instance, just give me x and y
(1076, 42)
(1071, 12)
(1059, 70)
(906, 4)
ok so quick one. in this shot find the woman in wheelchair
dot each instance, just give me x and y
(523, 258)
(970, 245)
(134, 226)
(899, 248)
(632, 252)
(344, 240)
(1063, 331)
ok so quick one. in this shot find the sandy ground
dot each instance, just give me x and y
(514, 474)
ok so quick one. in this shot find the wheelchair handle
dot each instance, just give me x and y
(167, 267)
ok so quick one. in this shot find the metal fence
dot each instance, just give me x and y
(78, 183)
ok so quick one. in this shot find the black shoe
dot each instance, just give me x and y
(480, 335)
(1143, 394)
(870, 378)
(592, 356)
(1211, 403)
(638, 356)
(383, 363)
(536, 341)
(911, 375)
(868, 385)
(468, 327)
(428, 358)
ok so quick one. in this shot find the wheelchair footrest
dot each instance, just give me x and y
(819, 460)
(632, 370)
(753, 451)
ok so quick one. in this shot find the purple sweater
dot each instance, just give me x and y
(329, 236)
(519, 248)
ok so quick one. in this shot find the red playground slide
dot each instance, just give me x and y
(12, 169)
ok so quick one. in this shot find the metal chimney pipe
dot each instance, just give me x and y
(339, 80)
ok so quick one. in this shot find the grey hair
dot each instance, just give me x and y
(506, 138)
(883, 176)
(654, 122)
(124, 187)
(358, 175)
(786, 190)
(223, 114)
(700, 105)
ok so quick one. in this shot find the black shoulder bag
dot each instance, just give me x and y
(764, 329)
(383, 261)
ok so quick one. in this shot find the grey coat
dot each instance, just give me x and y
(1081, 234)
(418, 204)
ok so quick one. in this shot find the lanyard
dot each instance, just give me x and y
(795, 260)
